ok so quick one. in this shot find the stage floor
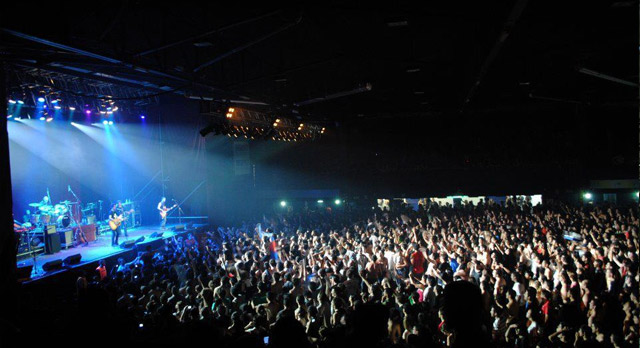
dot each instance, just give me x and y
(99, 249)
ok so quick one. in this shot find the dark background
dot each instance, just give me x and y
(481, 98)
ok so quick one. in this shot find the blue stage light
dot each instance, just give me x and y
(283, 204)
(72, 108)
(105, 122)
(41, 99)
(49, 119)
(320, 201)
(55, 101)
(57, 107)
(110, 122)
(42, 118)
(11, 101)
(142, 117)
(20, 102)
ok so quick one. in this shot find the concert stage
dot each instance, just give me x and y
(101, 249)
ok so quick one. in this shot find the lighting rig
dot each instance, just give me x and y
(237, 122)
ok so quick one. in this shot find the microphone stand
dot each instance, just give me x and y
(79, 231)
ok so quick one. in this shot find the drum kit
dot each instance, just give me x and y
(61, 214)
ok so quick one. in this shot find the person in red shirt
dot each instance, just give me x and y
(102, 270)
(417, 262)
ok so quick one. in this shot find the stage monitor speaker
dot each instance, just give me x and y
(140, 240)
(72, 260)
(156, 234)
(177, 228)
(51, 243)
(52, 265)
(24, 273)
(127, 244)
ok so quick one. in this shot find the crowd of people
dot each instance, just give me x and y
(501, 275)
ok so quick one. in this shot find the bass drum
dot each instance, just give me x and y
(64, 221)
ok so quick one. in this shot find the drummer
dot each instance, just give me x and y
(44, 203)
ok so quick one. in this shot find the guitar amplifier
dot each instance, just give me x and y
(51, 229)
(66, 238)
(51, 243)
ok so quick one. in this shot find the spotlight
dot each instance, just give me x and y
(142, 117)
(49, 119)
(587, 195)
(72, 108)
(20, 102)
(232, 110)
(105, 122)
(55, 101)
(42, 118)
(320, 201)
(337, 202)
(9, 116)
(229, 115)
(283, 204)
(11, 101)
(57, 107)
(41, 99)
(110, 122)
(88, 112)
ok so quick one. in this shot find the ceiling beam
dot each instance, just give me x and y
(514, 15)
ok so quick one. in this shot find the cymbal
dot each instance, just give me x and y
(67, 202)
(35, 205)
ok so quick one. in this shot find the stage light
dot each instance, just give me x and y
(115, 109)
(320, 201)
(110, 122)
(142, 117)
(105, 122)
(55, 101)
(88, 112)
(11, 101)
(41, 99)
(57, 107)
(20, 102)
(229, 115)
(337, 202)
(232, 110)
(283, 204)
(42, 118)
(49, 119)
(9, 116)
(72, 108)
(587, 195)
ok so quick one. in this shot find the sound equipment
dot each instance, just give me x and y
(140, 240)
(52, 265)
(177, 228)
(72, 260)
(51, 243)
(91, 219)
(127, 244)
(156, 235)
(24, 273)
(66, 238)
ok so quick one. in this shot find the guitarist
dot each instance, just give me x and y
(117, 212)
(162, 208)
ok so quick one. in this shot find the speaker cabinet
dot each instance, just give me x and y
(51, 243)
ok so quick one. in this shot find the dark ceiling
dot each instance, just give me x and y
(418, 59)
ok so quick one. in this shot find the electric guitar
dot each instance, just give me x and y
(116, 221)
(163, 212)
